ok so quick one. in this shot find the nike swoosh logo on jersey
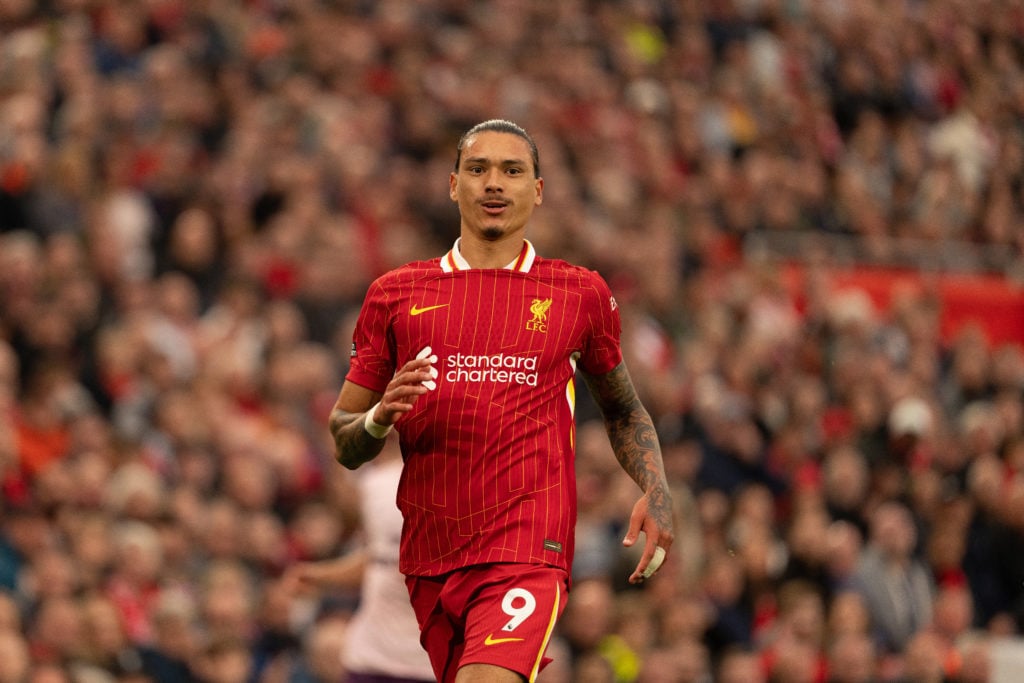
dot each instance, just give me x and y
(416, 310)
(491, 640)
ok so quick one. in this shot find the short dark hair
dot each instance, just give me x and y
(500, 126)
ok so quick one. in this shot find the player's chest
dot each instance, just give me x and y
(490, 314)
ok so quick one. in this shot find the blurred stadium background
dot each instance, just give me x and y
(811, 211)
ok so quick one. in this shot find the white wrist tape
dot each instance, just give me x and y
(655, 563)
(377, 431)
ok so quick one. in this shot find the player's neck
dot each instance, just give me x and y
(480, 253)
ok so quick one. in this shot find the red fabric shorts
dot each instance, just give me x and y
(500, 614)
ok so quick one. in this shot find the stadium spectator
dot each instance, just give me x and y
(897, 586)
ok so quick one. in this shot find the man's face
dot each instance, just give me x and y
(495, 186)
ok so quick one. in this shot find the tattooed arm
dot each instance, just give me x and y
(353, 442)
(353, 445)
(636, 447)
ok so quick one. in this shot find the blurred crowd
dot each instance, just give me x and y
(194, 196)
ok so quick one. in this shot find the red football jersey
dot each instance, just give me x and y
(489, 470)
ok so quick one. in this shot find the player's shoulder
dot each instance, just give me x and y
(412, 271)
(556, 268)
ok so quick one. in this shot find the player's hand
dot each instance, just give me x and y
(414, 379)
(652, 515)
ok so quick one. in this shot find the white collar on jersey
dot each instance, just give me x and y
(454, 260)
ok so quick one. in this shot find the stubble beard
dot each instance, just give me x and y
(492, 233)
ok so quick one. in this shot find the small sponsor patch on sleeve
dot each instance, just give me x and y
(352, 353)
(552, 545)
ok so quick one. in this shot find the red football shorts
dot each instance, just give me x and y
(500, 614)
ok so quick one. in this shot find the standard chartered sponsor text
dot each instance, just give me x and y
(497, 367)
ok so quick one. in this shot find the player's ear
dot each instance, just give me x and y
(453, 181)
(539, 185)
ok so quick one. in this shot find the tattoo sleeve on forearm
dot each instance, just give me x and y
(632, 435)
(353, 446)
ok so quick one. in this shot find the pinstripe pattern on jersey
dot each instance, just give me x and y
(489, 473)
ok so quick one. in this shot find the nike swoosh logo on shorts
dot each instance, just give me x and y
(416, 310)
(491, 640)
